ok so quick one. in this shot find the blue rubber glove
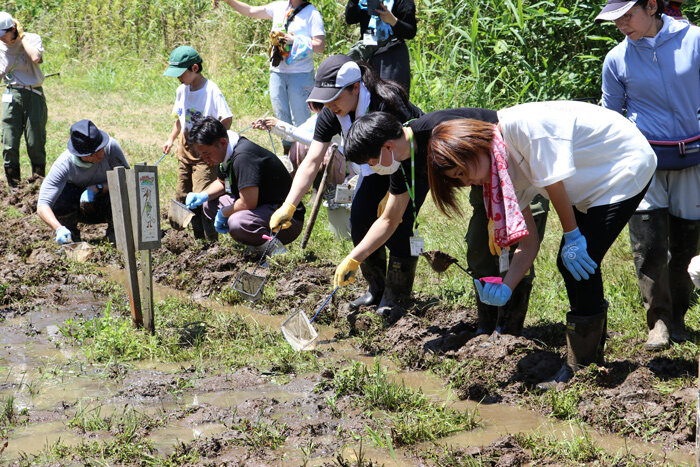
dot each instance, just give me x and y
(221, 222)
(63, 235)
(195, 200)
(88, 196)
(493, 294)
(574, 255)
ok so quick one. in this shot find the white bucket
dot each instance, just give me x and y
(339, 220)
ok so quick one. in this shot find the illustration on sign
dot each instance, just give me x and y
(149, 221)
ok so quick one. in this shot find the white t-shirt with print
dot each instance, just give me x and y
(205, 102)
(601, 157)
(16, 66)
(308, 22)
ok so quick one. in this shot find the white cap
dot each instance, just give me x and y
(6, 21)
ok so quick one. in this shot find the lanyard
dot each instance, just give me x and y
(412, 192)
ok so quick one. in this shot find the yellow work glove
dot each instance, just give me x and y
(20, 30)
(382, 204)
(345, 272)
(282, 218)
(493, 247)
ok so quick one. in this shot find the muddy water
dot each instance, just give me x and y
(40, 371)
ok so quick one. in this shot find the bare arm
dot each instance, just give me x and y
(306, 172)
(35, 55)
(247, 200)
(258, 12)
(318, 43)
(47, 215)
(215, 189)
(168, 145)
(562, 204)
(382, 228)
(525, 253)
(226, 122)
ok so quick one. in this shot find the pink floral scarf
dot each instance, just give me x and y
(499, 197)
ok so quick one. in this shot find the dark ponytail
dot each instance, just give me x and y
(391, 92)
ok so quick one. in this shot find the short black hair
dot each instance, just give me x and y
(200, 67)
(367, 135)
(660, 6)
(206, 131)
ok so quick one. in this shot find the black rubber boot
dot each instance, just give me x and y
(210, 233)
(511, 317)
(374, 271)
(649, 238)
(584, 345)
(13, 176)
(683, 245)
(486, 316)
(399, 284)
(197, 223)
(38, 170)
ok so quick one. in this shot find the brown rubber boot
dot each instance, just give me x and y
(374, 271)
(584, 337)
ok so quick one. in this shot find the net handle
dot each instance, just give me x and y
(324, 304)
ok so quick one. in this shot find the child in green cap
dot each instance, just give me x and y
(196, 97)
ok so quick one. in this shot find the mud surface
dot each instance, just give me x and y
(41, 288)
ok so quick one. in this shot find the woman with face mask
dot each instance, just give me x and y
(344, 91)
(399, 151)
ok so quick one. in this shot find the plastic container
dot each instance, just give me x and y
(339, 220)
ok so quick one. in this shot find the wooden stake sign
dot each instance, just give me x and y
(135, 210)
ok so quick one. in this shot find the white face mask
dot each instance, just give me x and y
(81, 163)
(380, 169)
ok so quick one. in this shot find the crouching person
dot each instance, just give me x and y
(75, 190)
(252, 183)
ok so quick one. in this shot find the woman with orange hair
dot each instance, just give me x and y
(594, 166)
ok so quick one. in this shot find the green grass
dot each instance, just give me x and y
(413, 417)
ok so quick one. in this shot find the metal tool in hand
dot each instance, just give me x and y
(249, 284)
(161, 158)
(299, 332)
(439, 261)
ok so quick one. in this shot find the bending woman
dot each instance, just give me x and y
(347, 90)
(653, 74)
(593, 165)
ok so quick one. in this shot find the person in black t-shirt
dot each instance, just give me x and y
(378, 138)
(345, 90)
(251, 184)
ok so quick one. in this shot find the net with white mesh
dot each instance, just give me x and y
(299, 332)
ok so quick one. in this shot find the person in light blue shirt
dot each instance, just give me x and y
(653, 76)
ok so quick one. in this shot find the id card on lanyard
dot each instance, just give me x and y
(416, 243)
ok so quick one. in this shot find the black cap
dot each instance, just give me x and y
(334, 74)
(86, 139)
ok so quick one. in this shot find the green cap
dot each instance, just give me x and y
(181, 59)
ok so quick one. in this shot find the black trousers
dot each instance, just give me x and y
(601, 225)
(363, 213)
(68, 204)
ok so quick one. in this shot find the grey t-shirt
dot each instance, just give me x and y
(65, 171)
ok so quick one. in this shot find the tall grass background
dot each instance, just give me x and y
(488, 53)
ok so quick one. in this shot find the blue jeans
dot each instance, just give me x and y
(288, 93)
